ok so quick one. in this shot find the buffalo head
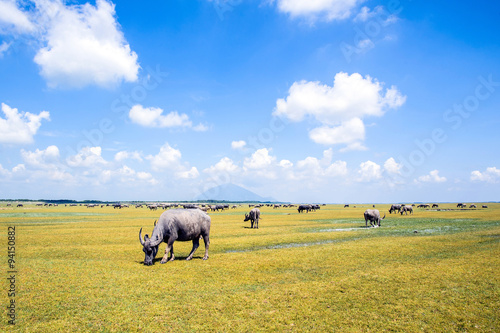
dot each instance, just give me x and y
(150, 248)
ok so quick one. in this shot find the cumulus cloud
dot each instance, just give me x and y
(41, 158)
(392, 167)
(259, 159)
(19, 127)
(84, 45)
(87, 157)
(432, 177)
(225, 165)
(238, 144)
(154, 117)
(339, 108)
(490, 175)
(166, 158)
(14, 19)
(318, 9)
(126, 175)
(124, 155)
(188, 174)
(348, 132)
(369, 171)
(169, 158)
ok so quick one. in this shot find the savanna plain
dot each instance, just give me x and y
(81, 269)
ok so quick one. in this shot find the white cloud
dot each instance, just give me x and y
(339, 108)
(88, 157)
(188, 174)
(124, 155)
(369, 171)
(238, 144)
(379, 13)
(200, 128)
(259, 160)
(337, 169)
(12, 18)
(167, 158)
(4, 47)
(432, 177)
(490, 175)
(41, 158)
(285, 164)
(318, 9)
(392, 167)
(153, 117)
(126, 175)
(224, 165)
(19, 127)
(348, 132)
(4, 172)
(84, 46)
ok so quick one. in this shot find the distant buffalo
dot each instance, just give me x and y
(253, 217)
(302, 208)
(394, 208)
(373, 215)
(405, 209)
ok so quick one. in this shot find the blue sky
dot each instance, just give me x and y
(304, 101)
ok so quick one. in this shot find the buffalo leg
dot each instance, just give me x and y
(257, 223)
(251, 224)
(206, 240)
(170, 248)
(196, 243)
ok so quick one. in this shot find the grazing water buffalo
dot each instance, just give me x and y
(461, 205)
(301, 208)
(253, 216)
(373, 215)
(473, 206)
(395, 208)
(484, 206)
(177, 224)
(405, 209)
(435, 206)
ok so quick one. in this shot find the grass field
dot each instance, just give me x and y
(80, 270)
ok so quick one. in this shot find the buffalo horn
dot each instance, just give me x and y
(140, 237)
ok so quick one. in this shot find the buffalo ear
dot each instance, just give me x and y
(146, 237)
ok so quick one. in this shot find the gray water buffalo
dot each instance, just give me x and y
(373, 215)
(177, 224)
(405, 209)
(394, 208)
(254, 217)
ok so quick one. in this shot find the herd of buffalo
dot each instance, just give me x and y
(191, 223)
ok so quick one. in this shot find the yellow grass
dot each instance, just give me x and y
(80, 270)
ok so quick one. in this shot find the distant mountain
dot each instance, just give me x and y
(231, 192)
